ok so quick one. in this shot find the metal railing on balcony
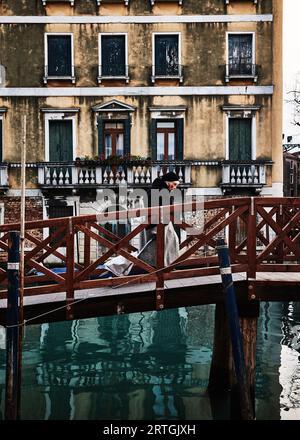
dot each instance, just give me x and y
(49, 75)
(72, 175)
(174, 71)
(116, 71)
(58, 1)
(180, 2)
(99, 2)
(245, 174)
(241, 70)
(4, 176)
(228, 1)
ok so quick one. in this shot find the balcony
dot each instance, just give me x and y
(232, 1)
(111, 73)
(58, 1)
(50, 76)
(166, 1)
(241, 70)
(167, 72)
(244, 174)
(70, 175)
(99, 2)
(4, 185)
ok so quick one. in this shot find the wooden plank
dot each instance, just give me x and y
(70, 271)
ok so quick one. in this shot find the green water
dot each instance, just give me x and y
(150, 366)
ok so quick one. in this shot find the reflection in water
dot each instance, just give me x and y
(152, 365)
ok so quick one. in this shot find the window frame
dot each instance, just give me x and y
(126, 2)
(59, 116)
(46, 67)
(114, 132)
(154, 76)
(253, 74)
(112, 77)
(166, 131)
(253, 135)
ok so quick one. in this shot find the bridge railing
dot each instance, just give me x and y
(263, 235)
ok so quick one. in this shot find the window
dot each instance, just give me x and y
(113, 57)
(166, 57)
(240, 62)
(167, 139)
(113, 137)
(291, 179)
(59, 57)
(240, 139)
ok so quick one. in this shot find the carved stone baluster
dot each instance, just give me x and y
(54, 177)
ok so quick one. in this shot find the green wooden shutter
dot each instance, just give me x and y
(153, 139)
(240, 138)
(60, 141)
(179, 139)
(127, 140)
(100, 136)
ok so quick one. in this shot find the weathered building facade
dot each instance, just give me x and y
(134, 87)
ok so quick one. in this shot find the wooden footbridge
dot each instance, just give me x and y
(263, 235)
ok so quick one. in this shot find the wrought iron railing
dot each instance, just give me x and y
(115, 71)
(241, 69)
(66, 76)
(174, 71)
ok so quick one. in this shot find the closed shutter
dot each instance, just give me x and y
(60, 141)
(180, 137)
(153, 141)
(240, 138)
(59, 55)
(113, 55)
(100, 136)
(127, 138)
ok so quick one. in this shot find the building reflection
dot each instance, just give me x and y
(150, 365)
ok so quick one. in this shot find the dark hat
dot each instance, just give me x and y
(170, 177)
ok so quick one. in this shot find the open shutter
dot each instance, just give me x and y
(153, 140)
(127, 140)
(100, 136)
(180, 139)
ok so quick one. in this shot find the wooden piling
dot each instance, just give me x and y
(12, 330)
(243, 391)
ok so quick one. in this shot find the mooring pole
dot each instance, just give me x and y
(12, 330)
(246, 408)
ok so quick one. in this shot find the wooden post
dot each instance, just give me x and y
(251, 249)
(12, 330)
(246, 410)
(87, 248)
(221, 369)
(70, 271)
(22, 259)
(160, 262)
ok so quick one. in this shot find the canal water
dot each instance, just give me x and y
(150, 366)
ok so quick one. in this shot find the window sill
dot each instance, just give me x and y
(166, 77)
(59, 78)
(112, 78)
(228, 78)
